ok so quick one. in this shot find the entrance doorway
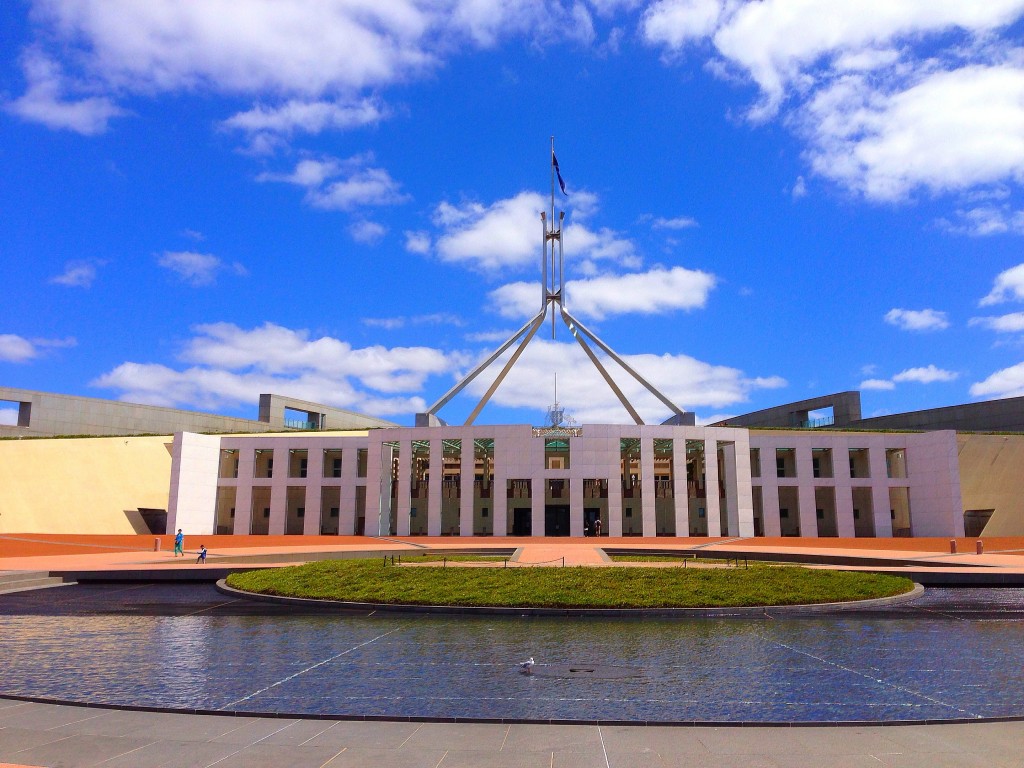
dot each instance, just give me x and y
(590, 516)
(522, 521)
(556, 520)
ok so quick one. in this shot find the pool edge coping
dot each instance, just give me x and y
(278, 715)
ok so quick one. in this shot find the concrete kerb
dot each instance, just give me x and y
(280, 715)
(635, 613)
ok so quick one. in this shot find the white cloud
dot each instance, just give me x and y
(65, 343)
(1008, 382)
(489, 337)
(229, 365)
(303, 56)
(304, 47)
(516, 300)
(776, 41)
(387, 323)
(44, 101)
(1009, 285)
(655, 292)
(917, 319)
(307, 116)
(883, 144)
(506, 234)
(491, 237)
(438, 318)
(877, 384)
(584, 204)
(679, 222)
(360, 186)
(487, 21)
(688, 382)
(927, 375)
(1011, 323)
(77, 274)
(394, 323)
(985, 220)
(369, 186)
(675, 23)
(15, 349)
(308, 172)
(8, 417)
(417, 242)
(197, 269)
(799, 188)
(367, 232)
(875, 87)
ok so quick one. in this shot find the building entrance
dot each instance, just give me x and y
(556, 520)
(522, 521)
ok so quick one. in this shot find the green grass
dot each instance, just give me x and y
(369, 581)
(689, 559)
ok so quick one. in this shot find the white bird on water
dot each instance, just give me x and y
(526, 667)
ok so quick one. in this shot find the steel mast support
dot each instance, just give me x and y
(504, 371)
(572, 323)
(432, 411)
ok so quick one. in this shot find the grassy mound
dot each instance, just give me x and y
(369, 581)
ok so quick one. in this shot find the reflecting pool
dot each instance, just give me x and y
(950, 654)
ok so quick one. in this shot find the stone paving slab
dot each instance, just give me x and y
(173, 754)
(375, 735)
(78, 751)
(300, 732)
(52, 736)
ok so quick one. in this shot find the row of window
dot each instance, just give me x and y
(558, 458)
(298, 462)
(822, 462)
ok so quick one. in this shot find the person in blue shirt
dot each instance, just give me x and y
(179, 543)
(202, 555)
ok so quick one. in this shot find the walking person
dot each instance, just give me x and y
(202, 555)
(179, 543)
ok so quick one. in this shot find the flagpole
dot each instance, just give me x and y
(551, 240)
(552, 181)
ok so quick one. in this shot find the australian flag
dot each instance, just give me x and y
(558, 173)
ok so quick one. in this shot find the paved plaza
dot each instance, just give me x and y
(74, 737)
(67, 552)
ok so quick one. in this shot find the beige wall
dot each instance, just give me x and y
(992, 477)
(86, 485)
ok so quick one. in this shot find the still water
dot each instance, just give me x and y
(951, 654)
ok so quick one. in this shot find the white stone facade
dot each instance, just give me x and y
(848, 484)
(517, 480)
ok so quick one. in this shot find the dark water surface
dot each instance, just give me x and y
(951, 654)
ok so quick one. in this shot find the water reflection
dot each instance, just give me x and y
(955, 656)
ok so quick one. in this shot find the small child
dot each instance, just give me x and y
(202, 554)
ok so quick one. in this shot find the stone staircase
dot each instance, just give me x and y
(22, 581)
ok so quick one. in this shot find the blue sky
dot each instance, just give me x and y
(339, 202)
